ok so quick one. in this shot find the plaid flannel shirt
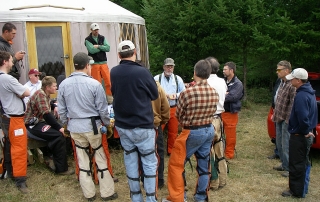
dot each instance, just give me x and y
(284, 102)
(197, 104)
(38, 105)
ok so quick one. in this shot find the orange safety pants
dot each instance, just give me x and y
(176, 168)
(18, 146)
(230, 121)
(172, 129)
(99, 71)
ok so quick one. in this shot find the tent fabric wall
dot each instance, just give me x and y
(116, 24)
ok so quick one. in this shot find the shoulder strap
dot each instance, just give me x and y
(176, 78)
(160, 78)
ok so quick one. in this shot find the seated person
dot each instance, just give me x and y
(33, 84)
(46, 127)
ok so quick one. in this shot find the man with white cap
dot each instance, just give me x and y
(97, 46)
(303, 120)
(133, 89)
(33, 84)
(173, 85)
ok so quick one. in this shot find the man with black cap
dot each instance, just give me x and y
(133, 88)
(33, 84)
(97, 46)
(83, 107)
(173, 85)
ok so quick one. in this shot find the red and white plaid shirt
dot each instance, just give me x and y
(197, 105)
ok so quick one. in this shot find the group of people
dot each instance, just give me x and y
(295, 116)
(82, 105)
(207, 111)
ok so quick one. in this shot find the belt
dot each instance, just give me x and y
(173, 106)
(94, 125)
(197, 127)
(16, 115)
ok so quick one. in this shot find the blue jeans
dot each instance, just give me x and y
(143, 141)
(282, 141)
(199, 143)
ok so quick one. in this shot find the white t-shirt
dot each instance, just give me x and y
(33, 88)
(221, 87)
(10, 89)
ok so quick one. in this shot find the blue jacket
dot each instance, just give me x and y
(232, 103)
(133, 88)
(304, 114)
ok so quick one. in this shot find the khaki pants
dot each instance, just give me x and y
(105, 181)
(217, 151)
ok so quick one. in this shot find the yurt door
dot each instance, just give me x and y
(49, 48)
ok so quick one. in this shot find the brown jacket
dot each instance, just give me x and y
(161, 108)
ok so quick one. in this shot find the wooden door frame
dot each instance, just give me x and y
(66, 43)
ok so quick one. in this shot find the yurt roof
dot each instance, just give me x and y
(66, 11)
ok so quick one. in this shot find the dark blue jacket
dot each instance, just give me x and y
(133, 88)
(232, 103)
(304, 114)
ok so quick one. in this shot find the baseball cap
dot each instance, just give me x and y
(81, 59)
(34, 71)
(298, 73)
(125, 43)
(169, 61)
(94, 26)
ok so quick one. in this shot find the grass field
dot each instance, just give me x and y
(251, 176)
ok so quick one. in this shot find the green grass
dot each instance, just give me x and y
(251, 176)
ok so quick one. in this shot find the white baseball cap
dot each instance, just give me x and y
(125, 43)
(94, 26)
(298, 73)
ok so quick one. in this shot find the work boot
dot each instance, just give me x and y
(278, 168)
(70, 171)
(23, 188)
(109, 198)
(274, 156)
(92, 198)
(285, 174)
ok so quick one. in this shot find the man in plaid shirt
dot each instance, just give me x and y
(196, 107)
(47, 127)
(283, 104)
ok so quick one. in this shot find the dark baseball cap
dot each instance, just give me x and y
(81, 59)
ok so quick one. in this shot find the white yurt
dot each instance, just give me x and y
(52, 31)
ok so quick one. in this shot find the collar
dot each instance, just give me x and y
(79, 74)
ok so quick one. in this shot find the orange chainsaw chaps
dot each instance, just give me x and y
(18, 141)
(115, 133)
(176, 184)
(106, 151)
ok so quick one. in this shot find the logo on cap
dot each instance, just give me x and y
(94, 26)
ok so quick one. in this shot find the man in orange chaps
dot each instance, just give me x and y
(12, 110)
(232, 105)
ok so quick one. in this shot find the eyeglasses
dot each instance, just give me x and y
(279, 70)
(37, 75)
(169, 66)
